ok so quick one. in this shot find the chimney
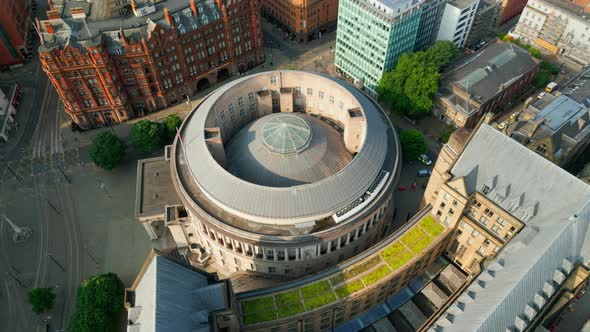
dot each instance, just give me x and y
(53, 14)
(134, 7)
(194, 8)
(48, 27)
(168, 17)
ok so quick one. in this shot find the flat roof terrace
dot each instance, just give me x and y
(376, 265)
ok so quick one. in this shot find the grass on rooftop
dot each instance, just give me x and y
(400, 260)
(317, 294)
(320, 300)
(349, 288)
(288, 298)
(430, 225)
(315, 289)
(289, 304)
(337, 279)
(412, 236)
(258, 310)
(421, 244)
(392, 251)
(376, 275)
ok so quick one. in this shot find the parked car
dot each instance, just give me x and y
(425, 160)
(551, 87)
(541, 95)
(503, 125)
(514, 116)
(422, 173)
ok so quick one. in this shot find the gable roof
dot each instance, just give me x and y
(555, 207)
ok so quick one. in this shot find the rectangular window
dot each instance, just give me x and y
(331, 100)
(483, 220)
(488, 212)
(321, 94)
(273, 80)
(470, 240)
(240, 101)
(309, 92)
(230, 107)
(475, 233)
(495, 228)
(251, 96)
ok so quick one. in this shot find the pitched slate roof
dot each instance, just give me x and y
(555, 207)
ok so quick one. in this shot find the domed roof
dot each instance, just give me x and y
(284, 150)
(286, 134)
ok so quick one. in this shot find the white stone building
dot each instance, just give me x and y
(557, 27)
(457, 20)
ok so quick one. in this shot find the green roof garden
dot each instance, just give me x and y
(348, 281)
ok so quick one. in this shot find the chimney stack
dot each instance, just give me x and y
(48, 27)
(168, 17)
(134, 7)
(194, 8)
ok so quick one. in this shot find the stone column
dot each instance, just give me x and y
(356, 233)
(347, 238)
(329, 247)
(286, 254)
(263, 253)
(338, 243)
(275, 254)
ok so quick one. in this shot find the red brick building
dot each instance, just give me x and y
(16, 35)
(510, 9)
(304, 19)
(109, 71)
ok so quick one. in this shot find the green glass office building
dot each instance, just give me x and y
(373, 34)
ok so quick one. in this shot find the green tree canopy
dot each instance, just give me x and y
(99, 301)
(172, 122)
(41, 299)
(411, 86)
(107, 150)
(148, 136)
(441, 54)
(413, 144)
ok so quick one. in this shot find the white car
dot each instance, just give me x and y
(541, 95)
(503, 125)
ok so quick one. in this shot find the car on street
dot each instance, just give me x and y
(422, 173)
(514, 116)
(503, 125)
(551, 87)
(541, 95)
(425, 159)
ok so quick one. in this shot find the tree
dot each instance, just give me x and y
(172, 122)
(441, 54)
(410, 87)
(107, 150)
(99, 299)
(148, 136)
(413, 144)
(41, 299)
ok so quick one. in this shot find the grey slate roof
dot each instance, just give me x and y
(306, 202)
(483, 74)
(72, 32)
(555, 207)
(248, 158)
(175, 298)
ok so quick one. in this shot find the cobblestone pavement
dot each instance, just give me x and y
(48, 164)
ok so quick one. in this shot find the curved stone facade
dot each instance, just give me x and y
(295, 229)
